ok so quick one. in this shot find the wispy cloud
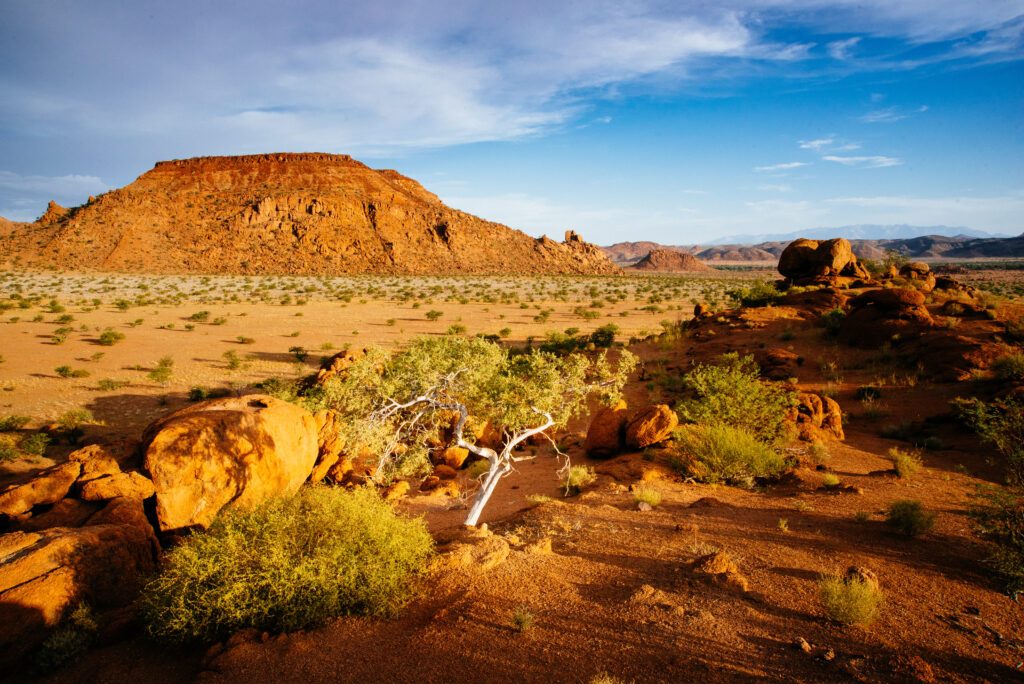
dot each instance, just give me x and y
(784, 166)
(891, 114)
(771, 187)
(869, 162)
(816, 144)
(841, 49)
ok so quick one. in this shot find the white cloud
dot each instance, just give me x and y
(870, 162)
(817, 144)
(54, 186)
(841, 49)
(785, 166)
(780, 187)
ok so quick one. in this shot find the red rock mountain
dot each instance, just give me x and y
(304, 213)
(670, 261)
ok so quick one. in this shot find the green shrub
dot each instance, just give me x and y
(1001, 423)
(577, 478)
(12, 423)
(998, 514)
(35, 444)
(1009, 367)
(850, 600)
(163, 371)
(433, 315)
(108, 384)
(299, 353)
(7, 450)
(69, 641)
(288, 564)
(69, 372)
(647, 495)
(605, 335)
(723, 453)
(522, 619)
(731, 392)
(909, 517)
(761, 293)
(830, 481)
(832, 320)
(905, 463)
(75, 419)
(109, 338)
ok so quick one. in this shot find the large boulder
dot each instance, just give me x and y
(652, 425)
(48, 487)
(818, 416)
(127, 485)
(329, 444)
(606, 435)
(227, 452)
(43, 575)
(883, 316)
(805, 260)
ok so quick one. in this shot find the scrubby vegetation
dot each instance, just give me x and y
(287, 564)
(717, 452)
(850, 600)
(909, 517)
(732, 393)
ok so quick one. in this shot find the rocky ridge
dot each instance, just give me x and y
(307, 213)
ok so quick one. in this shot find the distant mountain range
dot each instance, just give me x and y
(859, 232)
(919, 247)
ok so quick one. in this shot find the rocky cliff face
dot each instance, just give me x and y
(284, 213)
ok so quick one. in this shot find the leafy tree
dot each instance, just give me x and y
(407, 398)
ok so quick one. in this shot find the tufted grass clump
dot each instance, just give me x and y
(288, 564)
(578, 477)
(850, 600)
(647, 495)
(722, 453)
(905, 463)
(909, 517)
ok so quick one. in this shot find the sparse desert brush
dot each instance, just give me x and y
(1000, 423)
(69, 372)
(110, 384)
(163, 371)
(909, 517)
(35, 444)
(242, 339)
(7, 450)
(13, 422)
(874, 408)
(760, 293)
(433, 315)
(818, 453)
(850, 600)
(578, 477)
(905, 463)
(731, 392)
(1009, 367)
(998, 514)
(605, 678)
(830, 481)
(522, 619)
(233, 360)
(647, 495)
(70, 640)
(832, 320)
(109, 338)
(723, 453)
(288, 564)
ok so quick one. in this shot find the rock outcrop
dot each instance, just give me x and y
(882, 316)
(285, 213)
(670, 261)
(652, 425)
(809, 260)
(606, 435)
(227, 452)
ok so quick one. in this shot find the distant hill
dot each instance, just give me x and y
(307, 213)
(923, 247)
(859, 232)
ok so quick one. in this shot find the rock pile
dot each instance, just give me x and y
(809, 261)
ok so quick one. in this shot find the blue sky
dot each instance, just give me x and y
(678, 122)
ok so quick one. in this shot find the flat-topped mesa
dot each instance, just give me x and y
(287, 213)
(244, 159)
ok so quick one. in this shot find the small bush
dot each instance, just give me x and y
(299, 353)
(1000, 423)
(287, 564)
(832, 320)
(909, 517)
(522, 619)
(761, 293)
(1009, 367)
(433, 315)
(35, 444)
(69, 641)
(830, 481)
(577, 478)
(850, 600)
(905, 463)
(108, 338)
(998, 514)
(109, 384)
(12, 423)
(69, 372)
(163, 371)
(647, 495)
(731, 392)
(7, 450)
(75, 419)
(722, 453)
